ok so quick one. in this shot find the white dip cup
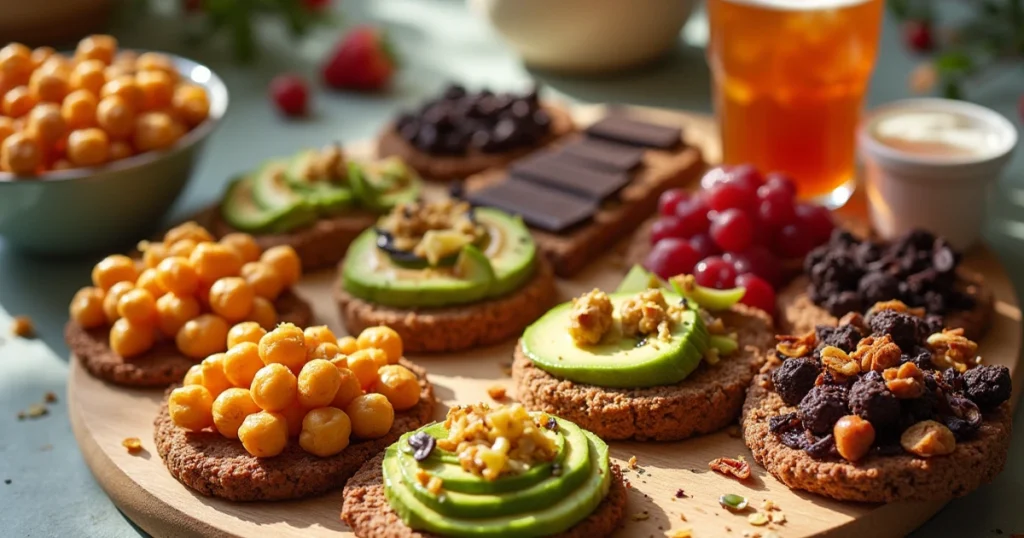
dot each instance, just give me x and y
(940, 191)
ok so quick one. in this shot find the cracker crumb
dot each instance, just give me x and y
(496, 392)
(778, 518)
(50, 397)
(33, 411)
(132, 444)
(641, 516)
(23, 327)
(682, 533)
(768, 505)
(632, 462)
(682, 516)
(758, 519)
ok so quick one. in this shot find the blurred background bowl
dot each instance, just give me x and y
(92, 209)
(587, 36)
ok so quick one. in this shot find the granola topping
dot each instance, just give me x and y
(591, 317)
(495, 441)
(431, 230)
(877, 353)
(951, 349)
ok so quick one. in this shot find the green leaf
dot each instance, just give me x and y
(899, 8)
(954, 63)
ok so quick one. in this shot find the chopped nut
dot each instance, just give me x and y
(854, 437)
(951, 349)
(22, 327)
(682, 516)
(711, 356)
(898, 306)
(729, 466)
(856, 319)
(796, 346)
(877, 353)
(839, 362)
(492, 441)
(768, 505)
(716, 326)
(591, 317)
(423, 477)
(646, 313)
(632, 462)
(496, 392)
(434, 485)
(133, 444)
(928, 438)
(778, 518)
(758, 519)
(34, 411)
(49, 397)
(640, 516)
(906, 382)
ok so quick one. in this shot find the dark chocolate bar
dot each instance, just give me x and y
(636, 133)
(541, 207)
(605, 154)
(559, 171)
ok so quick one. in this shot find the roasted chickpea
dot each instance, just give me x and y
(231, 297)
(348, 345)
(191, 407)
(49, 86)
(293, 415)
(128, 339)
(88, 76)
(230, 409)
(264, 434)
(363, 364)
(57, 64)
(6, 128)
(86, 308)
(194, 375)
(88, 147)
(79, 109)
(16, 63)
(155, 61)
(152, 253)
(214, 378)
(191, 104)
(157, 89)
(126, 59)
(371, 416)
(241, 362)
(244, 245)
(120, 149)
(340, 361)
(182, 248)
(214, 261)
(21, 154)
(348, 389)
(202, 336)
(263, 278)
(46, 124)
(318, 383)
(40, 55)
(263, 313)
(384, 339)
(246, 331)
(326, 351)
(173, 311)
(316, 335)
(126, 87)
(178, 276)
(274, 387)
(285, 262)
(284, 345)
(18, 101)
(115, 116)
(113, 269)
(147, 281)
(325, 431)
(379, 357)
(113, 298)
(97, 47)
(399, 385)
(155, 130)
(138, 306)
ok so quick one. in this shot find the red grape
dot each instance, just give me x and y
(714, 176)
(704, 245)
(694, 216)
(666, 227)
(671, 257)
(759, 293)
(757, 260)
(777, 181)
(290, 93)
(732, 230)
(918, 35)
(669, 199)
(817, 219)
(747, 176)
(732, 195)
(715, 272)
(794, 241)
(776, 209)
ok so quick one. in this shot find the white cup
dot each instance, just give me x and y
(941, 193)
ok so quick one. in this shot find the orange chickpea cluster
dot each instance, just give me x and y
(187, 288)
(96, 106)
(269, 387)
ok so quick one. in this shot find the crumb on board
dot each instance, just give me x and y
(496, 392)
(777, 517)
(23, 327)
(641, 516)
(632, 462)
(758, 519)
(506, 368)
(50, 397)
(682, 516)
(132, 444)
(768, 505)
(681, 533)
(33, 411)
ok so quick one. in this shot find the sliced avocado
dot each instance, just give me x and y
(639, 279)
(559, 515)
(708, 298)
(724, 344)
(446, 466)
(627, 362)
(240, 210)
(369, 272)
(328, 198)
(382, 185)
(271, 192)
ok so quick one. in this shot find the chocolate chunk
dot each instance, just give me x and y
(636, 133)
(564, 173)
(542, 207)
(605, 154)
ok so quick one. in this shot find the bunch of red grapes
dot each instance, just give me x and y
(736, 231)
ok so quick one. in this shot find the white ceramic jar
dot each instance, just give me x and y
(930, 163)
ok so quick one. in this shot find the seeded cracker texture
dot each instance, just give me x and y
(900, 477)
(163, 364)
(367, 512)
(452, 167)
(216, 466)
(458, 327)
(707, 400)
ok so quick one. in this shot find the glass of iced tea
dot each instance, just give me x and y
(789, 81)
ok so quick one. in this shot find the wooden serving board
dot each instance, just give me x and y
(102, 416)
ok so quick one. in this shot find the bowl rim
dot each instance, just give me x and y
(196, 72)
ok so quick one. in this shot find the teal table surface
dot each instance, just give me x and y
(47, 489)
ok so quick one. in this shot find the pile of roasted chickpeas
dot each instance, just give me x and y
(96, 106)
(289, 383)
(187, 288)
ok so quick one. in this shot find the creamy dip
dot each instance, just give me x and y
(939, 133)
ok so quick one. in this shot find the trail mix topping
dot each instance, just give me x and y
(327, 164)
(848, 274)
(431, 230)
(495, 441)
(884, 384)
(646, 313)
(591, 317)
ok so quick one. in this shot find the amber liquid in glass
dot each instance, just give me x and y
(789, 82)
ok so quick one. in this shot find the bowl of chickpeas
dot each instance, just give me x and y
(97, 144)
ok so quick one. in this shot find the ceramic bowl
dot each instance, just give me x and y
(587, 36)
(93, 209)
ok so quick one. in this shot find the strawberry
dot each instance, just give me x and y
(362, 61)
